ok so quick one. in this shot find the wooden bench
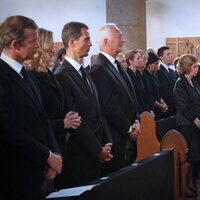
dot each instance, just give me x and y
(148, 144)
(175, 141)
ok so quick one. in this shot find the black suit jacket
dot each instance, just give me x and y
(26, 136)
(166, 85)
(86, 142)
(119, 104)
(187, 101)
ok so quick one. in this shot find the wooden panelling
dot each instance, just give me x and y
(182, 45)
(58, 45)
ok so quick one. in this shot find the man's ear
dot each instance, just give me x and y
(15, 45)
(106, 42)
(72, 42)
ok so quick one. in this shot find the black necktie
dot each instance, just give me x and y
(172, 74)
(24, 74)
(121, 72)
(29, 83)
(119, 68)
(84, 76)
(124, 76)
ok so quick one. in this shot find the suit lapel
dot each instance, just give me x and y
(193, 89)
(113, 72)
(55, 85)
(77, 77)
(44, 78)
(166, 73)
(18, 80)
(35, 89)
(95, 93)
(80, 82)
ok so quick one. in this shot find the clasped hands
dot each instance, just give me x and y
(54, 166)
(72, 120)
(105, 154)
(135, 131)
(164, 107)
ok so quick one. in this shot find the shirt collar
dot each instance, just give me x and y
(165, 66)
(75, 64)
(12, 63)
(109, 57)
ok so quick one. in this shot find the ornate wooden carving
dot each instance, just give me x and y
(182, 45)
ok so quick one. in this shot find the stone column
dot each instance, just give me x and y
(130, 17)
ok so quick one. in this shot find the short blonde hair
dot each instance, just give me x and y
(185, 62)
(130, 55)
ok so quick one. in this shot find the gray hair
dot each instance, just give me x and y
(105, 32)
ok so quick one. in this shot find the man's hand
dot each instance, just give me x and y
(72, 120)
(105, 154)
(50, 174)
(197, 122)
(55, 162)
(135, 131)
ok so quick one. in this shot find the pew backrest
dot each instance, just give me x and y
(147, 143)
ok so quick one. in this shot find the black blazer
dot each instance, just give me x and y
(119, 104)
(187, 101)
(166, 85)
(148, 89)
(53, 101)
(86, 142)
(154, 94)
(26, 136)
(139, 91)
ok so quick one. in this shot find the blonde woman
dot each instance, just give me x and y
(187, 96)
(52, 96)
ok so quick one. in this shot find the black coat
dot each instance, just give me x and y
(139, 90)
(86, 142)
(187, 101)
(119, 105)
(166, 85)
(53, 101)
(154, 94)
(26, 136)
(188, 108)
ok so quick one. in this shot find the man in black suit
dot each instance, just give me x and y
(87, 146)
(166, 79)
(29, 150)
(117, 97)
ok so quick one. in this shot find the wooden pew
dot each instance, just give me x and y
(174, 140)
(148, 144)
